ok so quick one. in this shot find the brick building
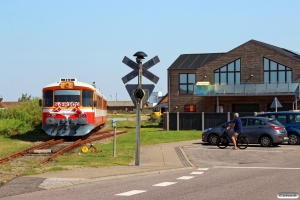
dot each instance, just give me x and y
(245, 79)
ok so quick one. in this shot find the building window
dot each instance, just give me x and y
(229, 74)
(186, 83)
(276, 73)
(189, 108)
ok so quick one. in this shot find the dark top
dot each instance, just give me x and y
(238, 128)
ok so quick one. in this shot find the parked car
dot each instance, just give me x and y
(259, 130)
(291, 121)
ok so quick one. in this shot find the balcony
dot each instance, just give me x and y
(266, 89)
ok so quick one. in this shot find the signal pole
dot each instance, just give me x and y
(139, 94)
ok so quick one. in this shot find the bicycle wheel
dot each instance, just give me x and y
(242, 143)
(222, 142)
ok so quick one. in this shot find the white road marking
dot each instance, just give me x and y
(186, 177)
(243, 150)
(132, 192)
(163, 184)
(202, 169)
(254, 167)
(267, 151)
(197, 172)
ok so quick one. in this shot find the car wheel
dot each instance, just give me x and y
(212, 139)
(265, 141)
(293, 139)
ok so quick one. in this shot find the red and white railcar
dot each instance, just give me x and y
(72, 108)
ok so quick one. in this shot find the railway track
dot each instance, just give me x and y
(92, 137)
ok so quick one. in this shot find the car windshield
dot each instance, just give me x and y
(275, 122)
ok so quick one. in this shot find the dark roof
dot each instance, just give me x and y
(283, 51)
(194, 61)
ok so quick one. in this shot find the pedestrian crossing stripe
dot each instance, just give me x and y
(132, 192)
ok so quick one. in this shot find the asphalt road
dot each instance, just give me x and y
(254, 173)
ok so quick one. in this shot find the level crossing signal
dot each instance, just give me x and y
(133, 65)
(139, 94)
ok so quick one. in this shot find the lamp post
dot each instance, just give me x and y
(139, 94)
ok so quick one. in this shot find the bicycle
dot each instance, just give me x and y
(224, 140)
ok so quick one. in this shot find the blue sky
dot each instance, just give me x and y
(43, 41)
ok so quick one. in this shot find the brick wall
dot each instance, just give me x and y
(251, 55)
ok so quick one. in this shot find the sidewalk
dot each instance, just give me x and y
(155, 158)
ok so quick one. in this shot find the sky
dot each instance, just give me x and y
(43, 41)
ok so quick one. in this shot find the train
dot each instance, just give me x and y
(72, 108)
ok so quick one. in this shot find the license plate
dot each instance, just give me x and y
(286, 138)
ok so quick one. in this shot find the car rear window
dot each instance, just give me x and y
(275, 122)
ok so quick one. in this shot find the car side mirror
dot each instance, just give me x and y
(40, 102)
(95, 103)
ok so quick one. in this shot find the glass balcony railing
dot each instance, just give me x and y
(255, 89)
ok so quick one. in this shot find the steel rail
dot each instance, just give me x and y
(31, 149)
(81, 142)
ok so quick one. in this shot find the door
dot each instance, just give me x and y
(254, 129)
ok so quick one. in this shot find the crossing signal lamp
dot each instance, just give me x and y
(139, 94)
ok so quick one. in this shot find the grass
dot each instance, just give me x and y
(151, 133)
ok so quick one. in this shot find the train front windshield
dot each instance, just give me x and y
(67, 96)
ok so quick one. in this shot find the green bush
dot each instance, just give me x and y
(21, 118)
(155, 119)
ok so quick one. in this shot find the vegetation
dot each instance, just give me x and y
(21, 118)
(147, 111)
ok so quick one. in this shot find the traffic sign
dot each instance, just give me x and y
(148, 88)
(275, 103)
(133, 65)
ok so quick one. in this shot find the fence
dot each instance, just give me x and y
(197, 121)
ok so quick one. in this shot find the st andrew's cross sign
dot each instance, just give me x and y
(133, 65)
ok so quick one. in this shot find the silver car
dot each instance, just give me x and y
(259, 130)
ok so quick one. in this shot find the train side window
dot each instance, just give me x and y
(87, 98)
(100, 102)
(48, 98)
